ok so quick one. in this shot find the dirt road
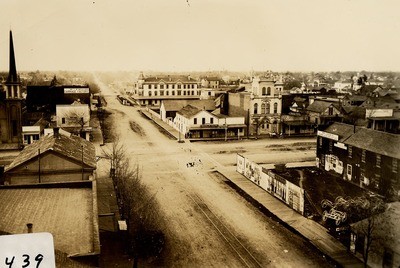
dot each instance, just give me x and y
(209, 225)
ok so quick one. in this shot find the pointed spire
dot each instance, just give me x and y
(12, 75)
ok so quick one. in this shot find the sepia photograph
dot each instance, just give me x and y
(199, 133)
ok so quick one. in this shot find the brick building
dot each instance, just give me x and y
(365, 157)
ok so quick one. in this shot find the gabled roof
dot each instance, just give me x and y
(189, 111)
(376, 141)
(320, 106)
(69, 147)
(176, 105)
(344, 131)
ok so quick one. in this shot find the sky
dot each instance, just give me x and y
(201, 35)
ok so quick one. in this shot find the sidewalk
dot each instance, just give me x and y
(310, 230)
(170, 131)
(113, 251)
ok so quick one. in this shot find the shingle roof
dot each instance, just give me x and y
(376, 141)
(344, 131)
(68, 213)
(320, 106)
(68, 146)
(176, 105)
(189, 111)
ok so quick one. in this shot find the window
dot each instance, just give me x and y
(155, 93)
(179, 86)
(63, 120)
(268, 91)
(350, 151)
(330, 110)
(211, 120)
(192, 92)
(255, 108)
(173, 92)
(349, 170)
(161, 92)
(267, 108)
(195, 121)
(376, 181)
(378, 160)
(264, 91)
(263, 108)
(149, 93)
(363, 153)
(394, 165)
(162, 86)
(167, 93)
(319, 142)
(330, 146)
(179, 92)
(14, 127)
(203, 121)
(184, 93)
(275, 108)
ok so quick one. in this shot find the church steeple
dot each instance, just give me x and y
(12, 75)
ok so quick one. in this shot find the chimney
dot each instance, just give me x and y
(56, 132)
(30, 227)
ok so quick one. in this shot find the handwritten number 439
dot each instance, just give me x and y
(27, 262)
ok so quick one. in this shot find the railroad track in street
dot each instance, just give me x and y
(244, 254)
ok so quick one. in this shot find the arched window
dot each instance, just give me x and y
(267, 108)
(263, 108)
(275, 108)
(264, 91)
(255, 108)
(268, 91)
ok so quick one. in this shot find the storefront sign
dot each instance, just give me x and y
(76, 90)
(328, 135)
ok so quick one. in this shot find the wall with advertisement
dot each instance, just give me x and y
(274, 184)
(240, 164)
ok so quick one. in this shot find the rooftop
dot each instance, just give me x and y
(189, 111)
(68, 146)
(176, 105)
(68, 213)
(320, 106)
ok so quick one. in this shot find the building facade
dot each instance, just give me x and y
(150, 91)
(11, 104)
(195, 123)
(365, 157)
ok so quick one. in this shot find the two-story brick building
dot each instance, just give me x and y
(365, 157)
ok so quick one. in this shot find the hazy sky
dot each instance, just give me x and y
(176, 35)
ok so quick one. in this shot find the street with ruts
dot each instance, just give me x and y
(209, 223)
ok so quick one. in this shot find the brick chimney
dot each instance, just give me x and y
(30, 227)
(56, 132)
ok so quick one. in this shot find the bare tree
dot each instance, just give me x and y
(366, 214)
(77, 118)
(138, 206)
(258, 122)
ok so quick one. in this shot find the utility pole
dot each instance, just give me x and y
(39, 164)
(82, 161)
